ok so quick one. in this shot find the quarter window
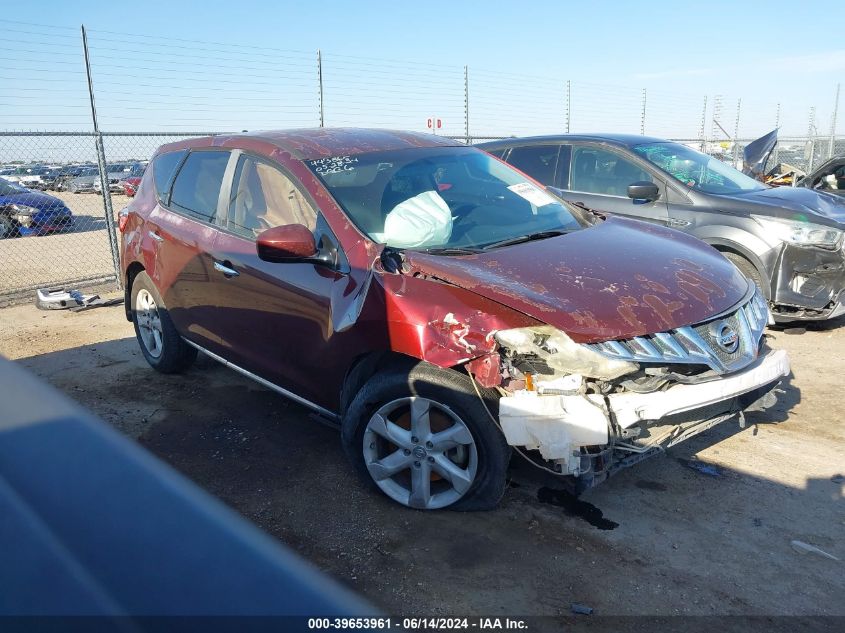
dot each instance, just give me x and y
(538, 161)
(263, 197)
(197, 186)
(164, 166)
(596, 170)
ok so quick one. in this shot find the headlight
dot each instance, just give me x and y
(23, 213)
(801, 233)
(561, 353)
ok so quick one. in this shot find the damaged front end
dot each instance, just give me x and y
(592, 409)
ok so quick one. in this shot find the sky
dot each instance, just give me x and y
(531, 67)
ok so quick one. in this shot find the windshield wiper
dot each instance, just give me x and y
(451, 250)
(530, 237)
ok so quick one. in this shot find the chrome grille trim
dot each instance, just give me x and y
(694, 345)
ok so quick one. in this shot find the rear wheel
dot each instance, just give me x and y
(423, 438)
(162, 346)
(749, 270)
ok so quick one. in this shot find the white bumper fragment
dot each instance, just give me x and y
(559, 425)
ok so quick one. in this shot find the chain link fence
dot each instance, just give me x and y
(54, 232)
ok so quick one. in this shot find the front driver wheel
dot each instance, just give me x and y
(423, 438)
(749, 270)
(161, 344)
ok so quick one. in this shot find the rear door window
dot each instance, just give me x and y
(538, 161)
(196, 189)
(263, 197)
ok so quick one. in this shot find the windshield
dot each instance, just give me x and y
(696, 170)
(9, 189)
(440, 198)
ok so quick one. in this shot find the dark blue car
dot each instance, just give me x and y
(26, 212)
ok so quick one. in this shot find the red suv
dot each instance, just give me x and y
(440, 305)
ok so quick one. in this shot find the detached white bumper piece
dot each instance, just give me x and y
(558, 425)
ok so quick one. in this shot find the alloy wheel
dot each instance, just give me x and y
(420, 453)
(149, 323)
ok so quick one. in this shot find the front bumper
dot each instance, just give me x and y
(559, 426)
(809, 284)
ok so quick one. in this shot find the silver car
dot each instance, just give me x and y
(789, 241)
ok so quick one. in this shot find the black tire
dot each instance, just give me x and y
(174, 354)
(749, 270)
(8, 227)
(447, 387)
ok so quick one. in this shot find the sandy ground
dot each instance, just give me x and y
(685, 543)
(61, 258)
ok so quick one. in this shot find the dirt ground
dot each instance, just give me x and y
(684, 542)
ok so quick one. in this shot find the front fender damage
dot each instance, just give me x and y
(578, 412)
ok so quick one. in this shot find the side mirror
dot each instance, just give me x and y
(288, 243)
(643, 190)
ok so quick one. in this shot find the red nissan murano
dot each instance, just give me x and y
(440, 305)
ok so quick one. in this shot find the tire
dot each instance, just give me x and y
(161, 344)
(465, 472)
(8, 228)
(749, 270)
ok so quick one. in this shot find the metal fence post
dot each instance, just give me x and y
(703, 131)
(101, 163)
(466, 105)
(810, 152)
(568, 103)
(833, 123)
(320, 85)
(776, 153)
(736, 130)
(642, 116)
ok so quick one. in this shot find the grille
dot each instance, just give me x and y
(700, 344)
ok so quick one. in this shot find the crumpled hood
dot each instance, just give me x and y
(42, 201)
(785, 202)
(615, 280)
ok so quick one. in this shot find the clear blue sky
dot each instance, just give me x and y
(519, 55)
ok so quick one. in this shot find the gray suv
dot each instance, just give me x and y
(789, 241)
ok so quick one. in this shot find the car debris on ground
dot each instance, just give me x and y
(73, 300)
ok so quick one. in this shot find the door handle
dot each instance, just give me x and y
(225, 268)
(155, 236)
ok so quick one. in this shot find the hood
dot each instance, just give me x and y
(615, 280)
(34, 199)
(786, 202)
(756, 154)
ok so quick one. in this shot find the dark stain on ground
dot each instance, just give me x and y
(645, 484)
(573, 506)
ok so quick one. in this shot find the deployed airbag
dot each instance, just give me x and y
(421, 221)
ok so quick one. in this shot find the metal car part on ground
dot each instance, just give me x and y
(788, 240)
(322, 264)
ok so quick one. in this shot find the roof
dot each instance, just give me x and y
(311, 143)
(627, 140)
